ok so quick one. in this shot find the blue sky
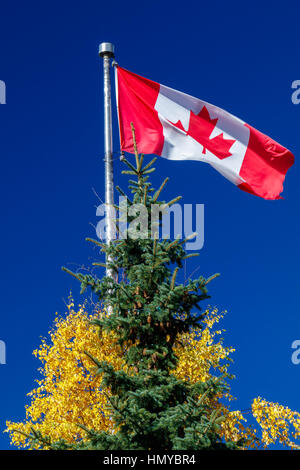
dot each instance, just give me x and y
(240, 57)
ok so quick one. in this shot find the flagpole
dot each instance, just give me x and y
(106, 51)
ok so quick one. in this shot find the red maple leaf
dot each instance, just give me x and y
(200, 129)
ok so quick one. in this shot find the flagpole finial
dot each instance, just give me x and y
(107, 49)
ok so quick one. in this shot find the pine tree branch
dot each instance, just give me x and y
(157, 194)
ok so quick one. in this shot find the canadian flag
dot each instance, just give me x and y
(178, 126)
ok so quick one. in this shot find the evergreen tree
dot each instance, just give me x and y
(151, 408)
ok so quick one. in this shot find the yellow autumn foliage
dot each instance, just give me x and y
(69, 393)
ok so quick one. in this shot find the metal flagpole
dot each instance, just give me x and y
(106, 51)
